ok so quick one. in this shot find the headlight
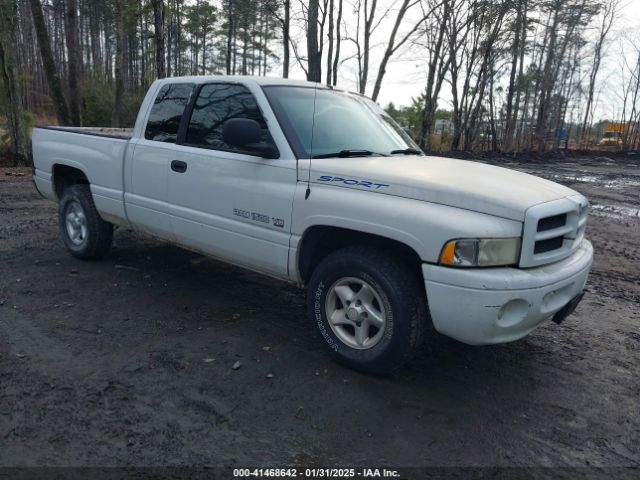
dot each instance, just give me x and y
(481, 252)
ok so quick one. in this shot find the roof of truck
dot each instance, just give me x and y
(259, 80)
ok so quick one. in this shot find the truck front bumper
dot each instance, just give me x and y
(496, 305)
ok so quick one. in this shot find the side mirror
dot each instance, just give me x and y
(240, 131)
(245, 133)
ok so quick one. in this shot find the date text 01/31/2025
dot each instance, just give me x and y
(339, 473)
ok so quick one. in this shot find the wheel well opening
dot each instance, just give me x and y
(64, 176)
(320, 241)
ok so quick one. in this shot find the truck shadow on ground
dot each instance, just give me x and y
(448, 392)
(203, 291)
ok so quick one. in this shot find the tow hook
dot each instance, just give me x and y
(568, 309)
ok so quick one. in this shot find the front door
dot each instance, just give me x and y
(226, 202)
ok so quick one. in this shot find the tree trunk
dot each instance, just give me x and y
(203, 43)
(158, 24)
(74, 65)
(177, 65)
(513, 140)
(116, 115)
(230, 29)
(330, 38)
(169, 39)
(314, 73)
(285, 38)
(94, 35)
(245, 53)
(142, 73)
(336, 57)
(546, 85)
(11, 85)
(492, 117)
(515, 53)
(369, 15)
(53, 80)
(435, 77)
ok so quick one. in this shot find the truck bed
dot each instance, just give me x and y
(97, 152)
(121, 133)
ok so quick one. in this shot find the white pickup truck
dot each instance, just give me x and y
(321, 188)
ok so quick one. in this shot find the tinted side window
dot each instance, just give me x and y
(167, 111)
(216, 104)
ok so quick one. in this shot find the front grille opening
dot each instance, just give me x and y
(543, 246)
(550, 223)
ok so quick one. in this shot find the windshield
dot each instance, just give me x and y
(343, 122)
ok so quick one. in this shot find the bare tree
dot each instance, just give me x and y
(286, 24)
(369, 15)
(395, 43)
(492, 28)
(230, 36)
(158, 22)
(336, 57)
(517, 65)
(631, 138)
(517, 69)
(74, 60)
(567, 17)
(51, 72)
(116, 115)
(11, 84)
(314, 54)
(330, 39)
(437, 67)
(365, 13)
(457, 33)
(609, 12)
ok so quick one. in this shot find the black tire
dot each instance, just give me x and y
(403, 300)
(98, 234)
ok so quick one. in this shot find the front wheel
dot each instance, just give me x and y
(368, 307)
(85, 234)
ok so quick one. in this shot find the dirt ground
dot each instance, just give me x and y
(128, 361)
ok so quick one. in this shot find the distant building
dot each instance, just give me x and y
(443, 126)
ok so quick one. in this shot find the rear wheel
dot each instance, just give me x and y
(368, 307)
(85, 234)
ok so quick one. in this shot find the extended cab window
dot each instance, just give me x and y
(216, 104)
(167, 111)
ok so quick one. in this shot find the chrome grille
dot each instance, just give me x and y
(553, 230)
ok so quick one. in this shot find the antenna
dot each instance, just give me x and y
(313, 127)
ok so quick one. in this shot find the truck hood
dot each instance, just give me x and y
(458, 183)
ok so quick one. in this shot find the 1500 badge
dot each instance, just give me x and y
(258, 217)
(352, 182)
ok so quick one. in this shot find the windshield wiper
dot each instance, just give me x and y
(407, 151)
(354, 152)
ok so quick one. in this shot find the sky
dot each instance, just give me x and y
(406, 74)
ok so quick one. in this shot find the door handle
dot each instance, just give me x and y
(179, 166)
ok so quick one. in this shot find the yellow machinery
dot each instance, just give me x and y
(613, 135)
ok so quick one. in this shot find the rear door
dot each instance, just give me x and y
(150, 163)
(230, 203)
